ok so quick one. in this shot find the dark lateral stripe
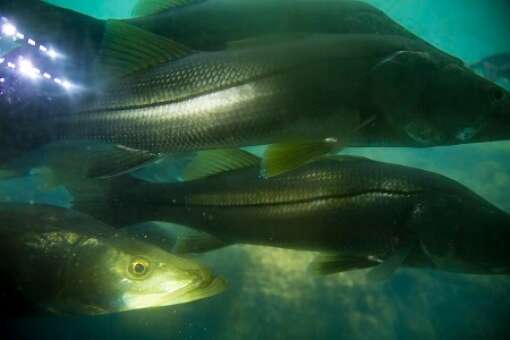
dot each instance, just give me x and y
(309, 200)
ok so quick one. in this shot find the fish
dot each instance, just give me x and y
(215, 24)
(58, 261)
(356, 212)
(306, 97)
(495, 67)
(203, 24)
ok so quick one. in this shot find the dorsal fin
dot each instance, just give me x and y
(149, 7)
(212, 162)
(127, 49)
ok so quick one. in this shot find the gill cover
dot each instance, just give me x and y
(397, 86)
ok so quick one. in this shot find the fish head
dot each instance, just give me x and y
(434, 100)
(485, 248)
(465, 107)
(126, 274)
(467, 236)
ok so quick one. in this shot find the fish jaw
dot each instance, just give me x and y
(198, 286)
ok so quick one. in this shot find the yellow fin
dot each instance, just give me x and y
(149, 7)
(212, 162)
(127, 49)
(280, 158)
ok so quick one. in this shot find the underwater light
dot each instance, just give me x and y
(26, 68)
(9, 29)
(67, 85)
(24, 65)
(52, 53)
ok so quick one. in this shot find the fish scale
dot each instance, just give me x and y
(322, 179)
(306, 89)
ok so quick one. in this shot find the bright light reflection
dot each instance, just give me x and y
(27, 69)
(8, 29)
(67, 85)
(25, 66)
(52, 54)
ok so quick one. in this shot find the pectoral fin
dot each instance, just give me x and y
(280, 158)
(149, 7)
(389, 266)
(212, 162)
(325, 264)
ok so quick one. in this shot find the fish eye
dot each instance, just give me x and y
(497, 94)
(139, 267)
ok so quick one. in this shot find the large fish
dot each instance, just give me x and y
(307, 96)
(213, 24)
(203, 24)
(57, 261)
(359, 212)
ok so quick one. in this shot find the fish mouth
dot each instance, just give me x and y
(204, 290)
(194, 290)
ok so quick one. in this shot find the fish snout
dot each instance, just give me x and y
(496, 125)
